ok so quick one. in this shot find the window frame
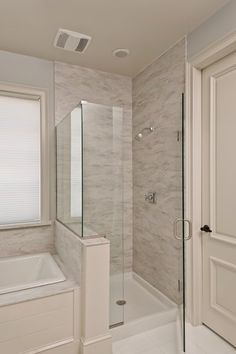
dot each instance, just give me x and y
(42, 94)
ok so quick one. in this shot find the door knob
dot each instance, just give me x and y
(206, 228)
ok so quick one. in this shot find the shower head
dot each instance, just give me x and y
(144, 132)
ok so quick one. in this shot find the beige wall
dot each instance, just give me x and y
(73, 84)
(157, 167)
(218, 26)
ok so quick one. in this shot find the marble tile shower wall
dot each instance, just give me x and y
(157, 167)
(23, 241)
(73, 84)
(63, 170)
(69, 250)
(103, 176)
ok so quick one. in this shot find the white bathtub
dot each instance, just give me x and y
(25, 272)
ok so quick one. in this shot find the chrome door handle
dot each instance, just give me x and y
(180, 236)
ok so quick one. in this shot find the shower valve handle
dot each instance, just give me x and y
(150, 197)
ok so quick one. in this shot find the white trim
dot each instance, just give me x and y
(98, 345)
(193, 161)
(95, 281)
(42, 94)
(208, 56)
(188, 151)
(215, 51)
(45, 165)
(96, 340)
(24, 225)
(50, 346)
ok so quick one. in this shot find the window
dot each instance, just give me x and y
(21, 177)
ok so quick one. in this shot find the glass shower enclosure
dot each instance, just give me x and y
(90, 198)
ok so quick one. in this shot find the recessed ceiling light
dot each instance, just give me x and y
(121, 53)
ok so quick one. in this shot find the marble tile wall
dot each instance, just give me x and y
(63, 159)
(26, 241)
(103, 176)
(157, 167)
(73, 84)
(68, 248)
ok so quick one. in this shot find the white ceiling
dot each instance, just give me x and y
(146, 27)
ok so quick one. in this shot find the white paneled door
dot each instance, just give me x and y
(219, 197)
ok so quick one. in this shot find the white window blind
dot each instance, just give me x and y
(20, 200)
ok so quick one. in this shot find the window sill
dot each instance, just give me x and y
(24, 226)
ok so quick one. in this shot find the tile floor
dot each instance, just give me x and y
(165, 340)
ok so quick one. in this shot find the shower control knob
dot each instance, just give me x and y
(206, 228)
(150, 197)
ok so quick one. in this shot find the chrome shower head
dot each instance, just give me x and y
(144, 132)
(139, 136)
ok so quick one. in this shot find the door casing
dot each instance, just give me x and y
(194, 67)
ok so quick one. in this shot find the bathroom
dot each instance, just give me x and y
(112, 236)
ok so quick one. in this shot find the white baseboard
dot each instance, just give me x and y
(69, 348)
(101, 345)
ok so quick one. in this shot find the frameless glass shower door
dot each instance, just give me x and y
(182, 226)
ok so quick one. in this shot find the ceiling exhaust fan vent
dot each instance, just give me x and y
(72, 41)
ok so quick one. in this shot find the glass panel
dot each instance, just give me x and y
(185, 230)
(69, 171)
(103, 189)
(182, 230)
